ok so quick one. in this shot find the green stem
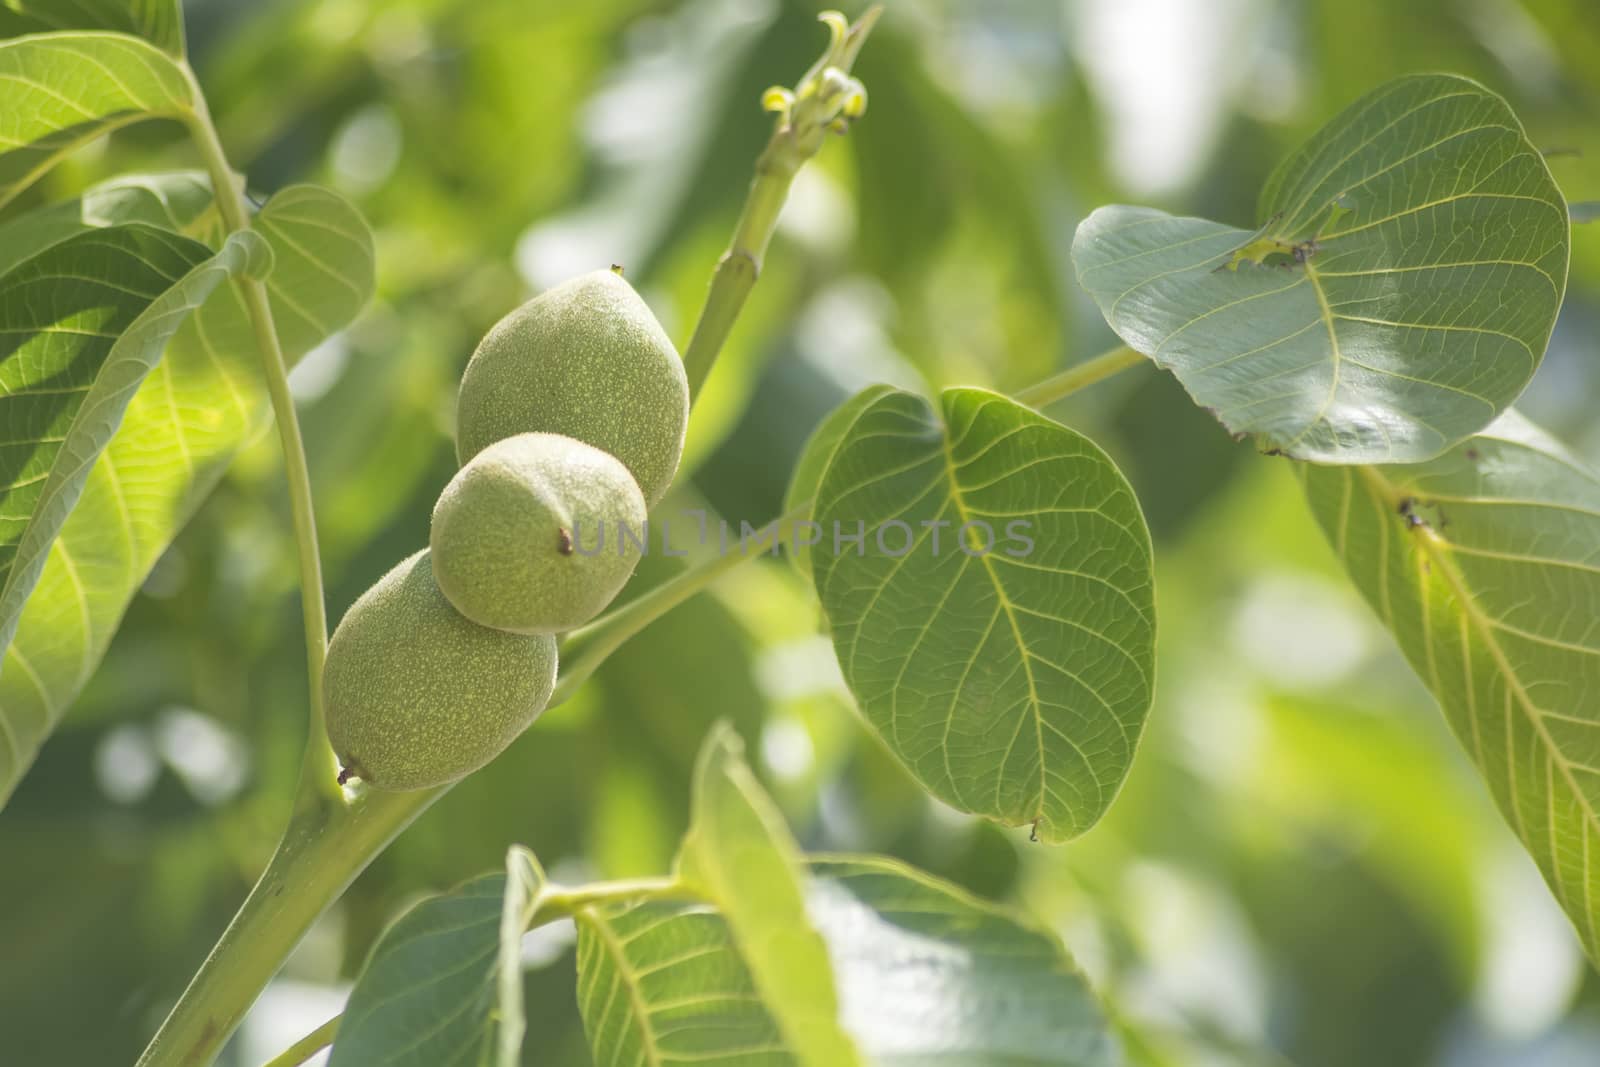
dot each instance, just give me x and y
(308, 1046)
(319, 770)
(806, 118)
(556, 902)
(598, 640)
(1059, 386)
(320, 855)
(740, 265)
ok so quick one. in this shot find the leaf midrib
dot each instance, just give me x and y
(1433, 547)
(625, 974)
(1034, 703)
(1326, 311)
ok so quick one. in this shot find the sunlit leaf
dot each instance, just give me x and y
(930, 975)
(59, 91)
(158, 21)
(1398, 295)
(91, 317)
(997, 625)
(926, 974)
(204, 400)
(444, 985)
(1485, 563)
(739, 854)
(661, 981)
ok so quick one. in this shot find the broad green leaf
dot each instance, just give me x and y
(77, 364)
(997, 626)
(1485, 563)
(661, 982)
(179, 201)
(204, 400)
(444, 984)
(739, 854)
(157, 21)
(929, 975)
(1398, 295)
(59, 91)
(814, 460)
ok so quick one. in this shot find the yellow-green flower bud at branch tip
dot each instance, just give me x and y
(827, 97)
(418, 695)
(588, 360)
(520, 535)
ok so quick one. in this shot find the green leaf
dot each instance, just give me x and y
(1484, 563)
(661, 982)
(442, 977)
(1014, 682)
(157, 21)
(927, 975)
(739, 854)
(1398, 295)
(59, 91)
(931, 975)
(92, 316)
(524, 881)
(204, 400)
(179, 201)
(814, 459)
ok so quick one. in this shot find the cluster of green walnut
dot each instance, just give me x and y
(571, 420)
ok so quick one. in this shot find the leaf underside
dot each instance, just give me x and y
(662, 982)
(1485, 563)
(1398, 296)
(927, 975)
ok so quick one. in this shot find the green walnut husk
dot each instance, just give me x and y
(419, 696)
(537, 533)
(586, 359)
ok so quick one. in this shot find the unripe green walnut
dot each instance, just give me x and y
(531, 535)
(586, 359)
(418, 696)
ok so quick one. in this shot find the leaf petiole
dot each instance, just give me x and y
(1091, 371)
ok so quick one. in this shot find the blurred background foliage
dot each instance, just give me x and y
(1301, 870)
